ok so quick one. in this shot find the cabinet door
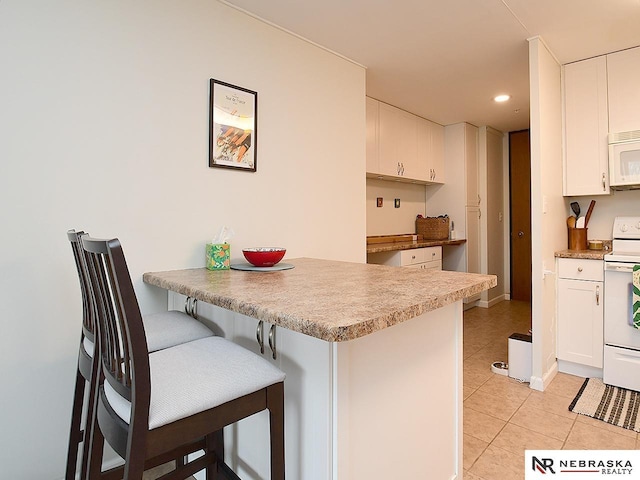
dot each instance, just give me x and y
(308, 406)
(471, 165)
(580, 321)
(436, 157)
(411, 166)
(473, 251)
(623, 69)
(373, 161)
(431, 150)
(389, 140)
(586, 126)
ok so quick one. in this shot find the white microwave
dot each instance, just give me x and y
(624, 160)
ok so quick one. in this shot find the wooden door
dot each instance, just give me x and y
(520, 200)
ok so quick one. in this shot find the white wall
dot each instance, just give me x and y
(104, 127)
(619, 203)
(548, 215)
(388, 220)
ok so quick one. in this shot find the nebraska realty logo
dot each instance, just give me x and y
(581, 464)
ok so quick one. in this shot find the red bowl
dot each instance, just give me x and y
(264, 256)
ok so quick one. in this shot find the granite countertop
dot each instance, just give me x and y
(583, 254)
(586, 254)
(330, 300)
(395, 246)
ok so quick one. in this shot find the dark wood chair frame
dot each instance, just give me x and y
(125, 365)
(87, 368)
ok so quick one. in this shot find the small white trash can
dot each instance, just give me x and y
(520, 357)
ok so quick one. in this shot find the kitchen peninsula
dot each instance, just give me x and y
(373, 357)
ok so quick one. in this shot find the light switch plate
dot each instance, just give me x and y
(396, 203)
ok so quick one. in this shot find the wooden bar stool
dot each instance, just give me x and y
(154, 407)
(163, 330)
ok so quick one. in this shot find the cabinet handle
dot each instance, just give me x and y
(260, 335)
(478, 199)
(187, 305)
(191, 307)
(272, 341)
(604, 182)
(597, 294)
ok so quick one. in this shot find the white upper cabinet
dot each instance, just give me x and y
(373, 159)
(402, 146)
(585, 128)
(623, 70)
(431, 149)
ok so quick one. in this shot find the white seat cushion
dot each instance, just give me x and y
(196, 376)
(166, 329)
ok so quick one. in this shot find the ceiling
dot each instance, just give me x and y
(445, 60)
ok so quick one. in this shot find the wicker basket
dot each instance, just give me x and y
(433, 228)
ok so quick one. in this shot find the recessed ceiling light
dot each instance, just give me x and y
(501, 98)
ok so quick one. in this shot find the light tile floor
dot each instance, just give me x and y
(503, 417)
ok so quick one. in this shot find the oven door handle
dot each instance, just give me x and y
(618, 267)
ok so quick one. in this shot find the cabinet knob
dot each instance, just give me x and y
(580, 269)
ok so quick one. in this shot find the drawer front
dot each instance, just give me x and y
(580, 269)
(411, 257)
(432, 254)
(434, 265)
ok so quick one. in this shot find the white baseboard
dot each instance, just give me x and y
(579, 370)
(493, 301)
(540, 383)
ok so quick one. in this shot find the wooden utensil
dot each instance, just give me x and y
(571, 221)
(588, 216)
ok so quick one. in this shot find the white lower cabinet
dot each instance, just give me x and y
(308, 397)
(580, 307)
(401, 386)
(426, 258)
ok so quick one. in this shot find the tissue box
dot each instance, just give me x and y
(218, 256)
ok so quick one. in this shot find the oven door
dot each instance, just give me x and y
(618, 319)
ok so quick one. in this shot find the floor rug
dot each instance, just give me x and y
(614, 405)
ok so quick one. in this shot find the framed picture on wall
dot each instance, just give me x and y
(232, 126)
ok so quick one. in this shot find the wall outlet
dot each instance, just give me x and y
(396, 203)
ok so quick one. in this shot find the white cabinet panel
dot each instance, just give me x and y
(425, 258)
(585, 128)
(431, 149)
(402, 146)
(623, 70)
(308, 397)
(580, 309)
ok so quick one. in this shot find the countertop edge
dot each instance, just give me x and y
(397, 246)
(582, 254)
(325, 332)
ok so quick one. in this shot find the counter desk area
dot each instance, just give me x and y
(373, 357)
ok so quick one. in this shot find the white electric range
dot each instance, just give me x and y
(622, 340)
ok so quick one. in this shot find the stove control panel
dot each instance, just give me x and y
(626, 228)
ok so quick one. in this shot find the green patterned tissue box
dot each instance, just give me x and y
(218, 256)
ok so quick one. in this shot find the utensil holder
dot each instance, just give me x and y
(577, 239)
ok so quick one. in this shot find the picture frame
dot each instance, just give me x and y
(233, 114)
